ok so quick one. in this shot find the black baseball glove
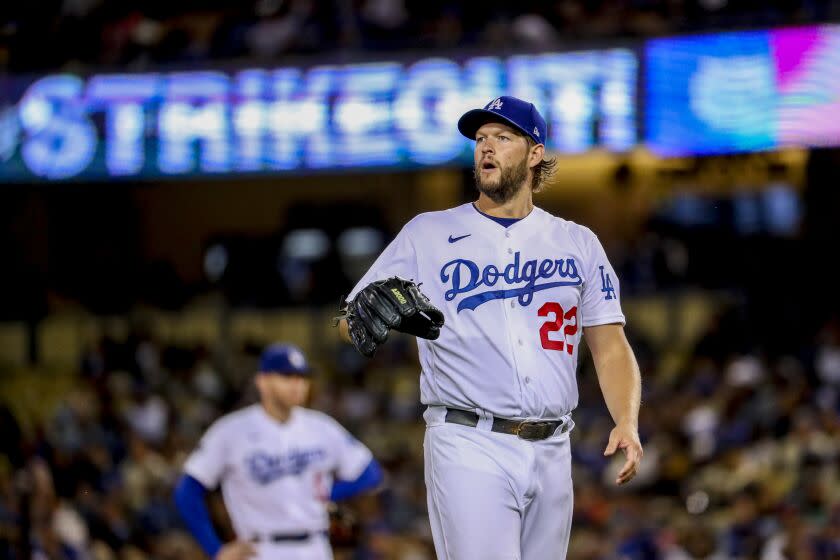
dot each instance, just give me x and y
(394, 303)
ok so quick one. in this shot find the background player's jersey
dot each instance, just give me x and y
(515, 301)
(276, 477)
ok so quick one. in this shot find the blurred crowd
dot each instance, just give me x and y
(742, 453)
(73, 34)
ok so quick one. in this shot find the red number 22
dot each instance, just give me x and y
(554, 308)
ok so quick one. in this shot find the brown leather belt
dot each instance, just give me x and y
(525, 429)
(286, 537)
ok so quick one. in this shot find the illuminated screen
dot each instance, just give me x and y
(386, 114)
(743, 91)
(807, 71)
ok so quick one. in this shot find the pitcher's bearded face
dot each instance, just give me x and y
(500, 184)
(501, 161)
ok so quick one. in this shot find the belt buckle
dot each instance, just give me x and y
(534, 431)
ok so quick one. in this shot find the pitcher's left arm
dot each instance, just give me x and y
(621, 384)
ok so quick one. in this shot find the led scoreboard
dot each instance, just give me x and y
(385, 114)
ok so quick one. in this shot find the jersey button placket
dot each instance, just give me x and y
(525, 358)
(515, 317)
(510, 252)
(511, 324)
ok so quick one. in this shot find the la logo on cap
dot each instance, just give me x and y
(297, 359)
(536, 132)
(495, 104)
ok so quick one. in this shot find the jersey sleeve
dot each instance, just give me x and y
(601, 301)
(351, 456)
(398, 259)
(208, 461)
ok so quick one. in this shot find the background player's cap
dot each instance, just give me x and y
(508, 110)
(285, 359)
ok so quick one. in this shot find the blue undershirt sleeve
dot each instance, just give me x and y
(370, 478)
(189, 498)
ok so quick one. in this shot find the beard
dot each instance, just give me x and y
(511, 179)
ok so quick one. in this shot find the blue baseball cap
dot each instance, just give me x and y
(508, 110)
(285, 359)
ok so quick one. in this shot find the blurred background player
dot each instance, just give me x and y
(278, 465)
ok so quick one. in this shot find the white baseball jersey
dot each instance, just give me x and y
(514, 299)
(276, 477)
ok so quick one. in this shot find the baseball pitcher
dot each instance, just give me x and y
(500, 294)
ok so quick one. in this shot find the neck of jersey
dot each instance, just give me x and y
(505, 222)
